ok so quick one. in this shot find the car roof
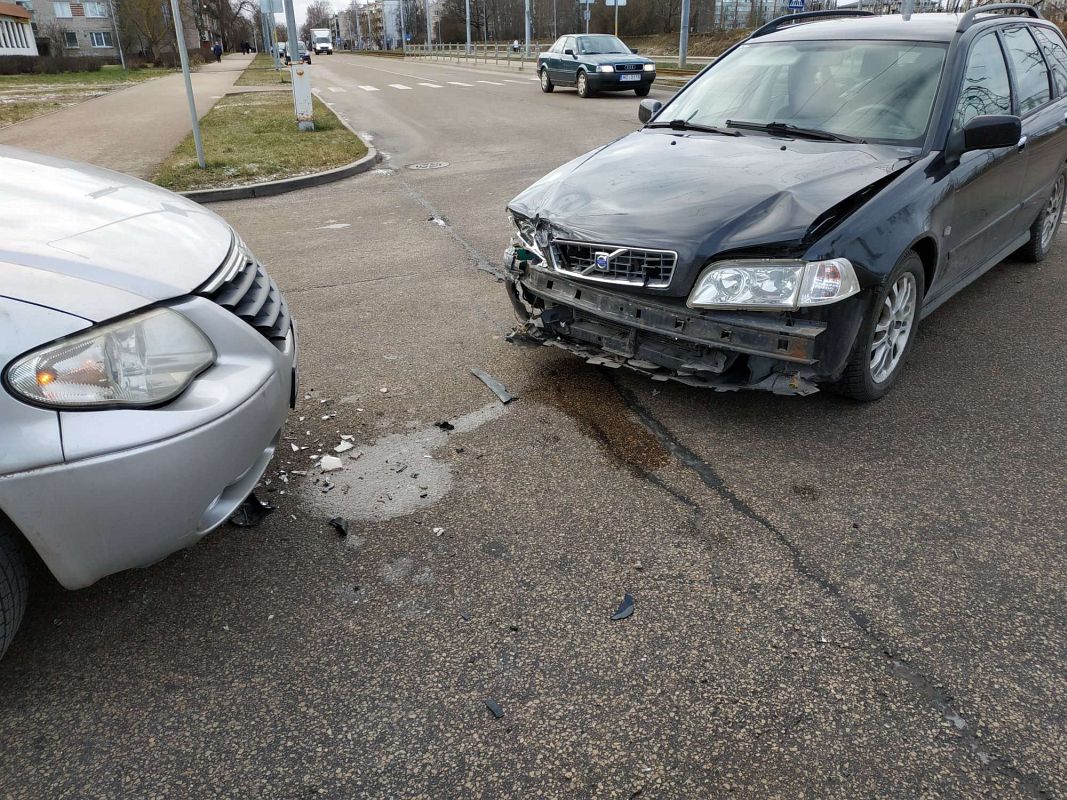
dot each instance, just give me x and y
(937, 27)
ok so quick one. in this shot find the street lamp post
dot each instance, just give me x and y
(429, 25)
(403, 30)
(683, 34)
(183, 55)
(115, 28)
(527, 28)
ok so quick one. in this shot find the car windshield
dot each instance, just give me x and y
(880, 91)
(593, 45)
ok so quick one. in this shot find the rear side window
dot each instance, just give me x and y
(1055, 55)
(1031, 74)
(986, 89)
(558, 46)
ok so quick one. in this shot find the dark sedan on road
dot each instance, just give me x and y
(594, 63)
(786, 220)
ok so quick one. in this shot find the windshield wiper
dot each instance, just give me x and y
(683, 125)
(793, 130)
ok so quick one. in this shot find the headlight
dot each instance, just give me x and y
(650, 67)
(605, 68)
(527, 234)
(139, 361)
(774, 284)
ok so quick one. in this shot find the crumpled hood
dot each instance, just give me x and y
(96, 243)
(703, 194)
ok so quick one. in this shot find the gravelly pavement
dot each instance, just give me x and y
(831, 600)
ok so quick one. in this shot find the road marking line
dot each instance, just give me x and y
(335, 88)
(510, 80)
(399, 86)
(494, 83)
(534, 79)
(460, 83)
(432, 85)
(368, 88)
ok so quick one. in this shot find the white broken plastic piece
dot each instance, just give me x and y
(330, 464)
(343, 447)
(296, 448)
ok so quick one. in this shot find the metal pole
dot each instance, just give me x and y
(555, 22)
(527, 28)
(179, 31)
(907, 7)
(403, 34)
(292, 50)
(616, 17)
(468, 6)
(683, 34)
(115, 28)
(429, 24)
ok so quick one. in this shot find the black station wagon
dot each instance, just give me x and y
(787, 218)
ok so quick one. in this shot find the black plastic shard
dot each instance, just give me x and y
(251, 512)
(625, 609)
(445, 425)
(494, 385)
(494, 706)
(341, 524)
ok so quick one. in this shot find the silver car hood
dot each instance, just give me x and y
(97, 243)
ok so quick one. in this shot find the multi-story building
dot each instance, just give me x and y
(379, 22)
(16, 32)
(68, 27)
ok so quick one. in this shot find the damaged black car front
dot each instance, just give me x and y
(739, 240)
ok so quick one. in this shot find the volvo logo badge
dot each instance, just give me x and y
(602, 260)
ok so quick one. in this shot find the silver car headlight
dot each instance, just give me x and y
(139, 361)
(771, 284)
(649, 68)
(605, 68)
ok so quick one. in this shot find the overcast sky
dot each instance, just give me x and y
(300, 8)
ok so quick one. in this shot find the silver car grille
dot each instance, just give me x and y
(242, 286)
(629, 67)
(630, 266)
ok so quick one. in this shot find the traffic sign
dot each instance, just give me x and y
(586, 15)
(796, 5)
(615, 2)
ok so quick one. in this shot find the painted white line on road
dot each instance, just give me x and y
(533, 79)
(510, 80)
(460, 83)
(493, 83)
(399, 86)
(368, 88)
(432, 85)
(335, 89)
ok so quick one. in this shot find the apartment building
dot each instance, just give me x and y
(16, 32)
(66, 27)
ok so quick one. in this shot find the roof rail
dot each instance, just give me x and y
(970, 14)
(789, 19)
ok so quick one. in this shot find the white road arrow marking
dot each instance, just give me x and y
(368, 88)
(432, 85)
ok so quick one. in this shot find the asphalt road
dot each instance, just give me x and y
(832, 600)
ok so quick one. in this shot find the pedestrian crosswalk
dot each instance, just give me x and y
(407, 87)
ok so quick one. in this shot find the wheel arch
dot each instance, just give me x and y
(926, 249)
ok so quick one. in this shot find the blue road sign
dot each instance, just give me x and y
(796, 5)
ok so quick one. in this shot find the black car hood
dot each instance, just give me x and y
(704, 194)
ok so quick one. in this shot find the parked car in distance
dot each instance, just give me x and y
(595, 63)
(786, 220)
(147, 364)
(302, 51)
(321, 41)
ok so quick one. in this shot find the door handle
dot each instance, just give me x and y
(1022, 143)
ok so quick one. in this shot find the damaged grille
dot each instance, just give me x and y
(242, 286)
(630, 266)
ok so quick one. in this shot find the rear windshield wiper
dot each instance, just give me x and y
(682, 125)
(793, 130)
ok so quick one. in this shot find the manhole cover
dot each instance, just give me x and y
(429, 165)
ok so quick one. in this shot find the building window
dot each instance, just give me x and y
(100, 39)
(97, 10)
(70, 39)
(62, 11)
(26, 4)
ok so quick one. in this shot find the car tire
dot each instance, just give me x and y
(878, 356)
(1043, 231)
(642, 91)
(546, 82)
(14, 586)
(583, 84)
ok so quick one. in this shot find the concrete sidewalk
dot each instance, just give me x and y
(131, 130)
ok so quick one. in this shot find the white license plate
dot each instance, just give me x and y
(629, 77)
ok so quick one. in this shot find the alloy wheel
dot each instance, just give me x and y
(582, 84)
(896, 320)
(1053, 210)
(544, 79)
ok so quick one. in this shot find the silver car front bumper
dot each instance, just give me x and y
(137, 485)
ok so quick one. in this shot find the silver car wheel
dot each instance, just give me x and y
(896, 319)
(583, 85)
(1053, 210)
(544, 79)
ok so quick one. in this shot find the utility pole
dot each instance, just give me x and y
(115, 28)
(429, 24)
(527, 28)
(616, 17)
(907, 7)
(297, 71)
(683, 35)
(468, 6)
(403, 30)
(179, 31)
(555, 25)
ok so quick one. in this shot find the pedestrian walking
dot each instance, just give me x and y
(217, 50)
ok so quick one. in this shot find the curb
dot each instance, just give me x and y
(283, 185)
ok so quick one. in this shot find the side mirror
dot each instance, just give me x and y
(568, 52)
(648, 109)
(633, 50)
(992, 131)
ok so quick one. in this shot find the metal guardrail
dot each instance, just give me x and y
(502, 53)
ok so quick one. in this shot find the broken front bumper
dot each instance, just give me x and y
(724, 350)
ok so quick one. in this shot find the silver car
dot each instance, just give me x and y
(148, 364)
